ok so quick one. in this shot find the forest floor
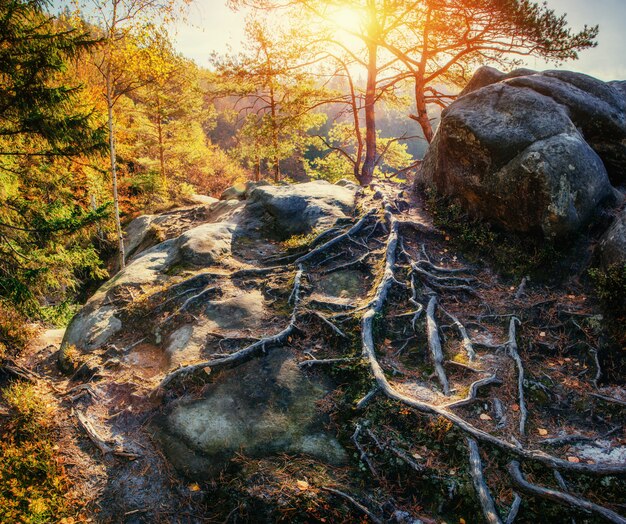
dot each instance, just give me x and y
(456, 392)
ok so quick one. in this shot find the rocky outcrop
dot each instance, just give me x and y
(227, 239)
(532, 152)
(612, 246)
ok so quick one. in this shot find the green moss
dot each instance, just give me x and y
(513, 255)
(610, 285)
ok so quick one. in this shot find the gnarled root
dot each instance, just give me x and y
(484, 495)
(565, 499)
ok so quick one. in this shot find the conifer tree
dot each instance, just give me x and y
(41, 130)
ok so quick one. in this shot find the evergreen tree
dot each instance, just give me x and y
(42, 214)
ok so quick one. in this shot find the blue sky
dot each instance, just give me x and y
(212, 27)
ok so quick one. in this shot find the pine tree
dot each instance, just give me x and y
(42, 216)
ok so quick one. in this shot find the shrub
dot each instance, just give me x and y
(33, 485)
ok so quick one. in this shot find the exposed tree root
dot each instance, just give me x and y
(247, 353)
(517, 502)
(355, 503)
(434, 343)
(471, 397)
(467, 341)
(363, 456)
(511, 346)
(375, 307)
(327, 245)
(565, 499)
(484, 495)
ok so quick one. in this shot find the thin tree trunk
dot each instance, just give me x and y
(161, 146)
(357, 125)
(422, 114)
(367, 173)
(116, 202)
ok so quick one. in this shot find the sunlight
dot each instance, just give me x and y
(347, 19)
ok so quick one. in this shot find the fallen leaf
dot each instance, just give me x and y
(194, 487)
(447, 238)
(542, 334)
(302, 485)
(461, 521)
(590, 461)
(515, 407)
(575, 460)
(484, 416)
(387, 342)
(542, 432)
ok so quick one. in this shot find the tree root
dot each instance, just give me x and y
(517, 502)
(434, 343)
(473, 391)
(511, 346)
(189, 302)
(364, 457)
(375, 307)
(324, 362)
(247, 353)
(467, 341)
(327, 245)
(355, 503)
(565, 499)
(484, 495)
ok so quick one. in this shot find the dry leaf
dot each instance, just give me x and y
(447, 238)
(575, 460)
(484, 416)
(542, 432)
(194, 487)
(387, 342)
(542, 334)
(461, 521)
(515, 407)
(302, 485)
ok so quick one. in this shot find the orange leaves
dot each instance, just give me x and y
(302, 485)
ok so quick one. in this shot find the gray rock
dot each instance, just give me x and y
(234, 193)
(280, 212)
(202, 199)
(262, 408)
(135, 234)
(612, 246)
(208, 244)
(597, 109)
(89, 332)
(486, 76)
(513, 155)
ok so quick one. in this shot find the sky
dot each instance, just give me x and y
(213, 27)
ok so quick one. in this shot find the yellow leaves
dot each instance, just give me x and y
(542, 432)
(194, 487)
(484, 416)
(574, 460)
(302, 485)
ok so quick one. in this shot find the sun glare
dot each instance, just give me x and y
(347, 19)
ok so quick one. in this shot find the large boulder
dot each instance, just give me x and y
(262, 408)
(515, 151)
(283, 211)
(612, 246)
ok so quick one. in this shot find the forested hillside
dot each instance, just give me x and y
(347, 270)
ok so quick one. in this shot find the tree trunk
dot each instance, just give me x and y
(161, 146)
(422, 114)
(116, 202)
(367, 173)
